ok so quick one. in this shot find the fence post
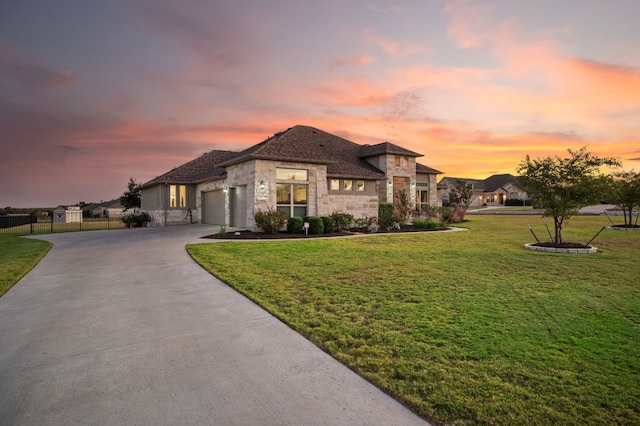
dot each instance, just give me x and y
(31, 215)
(52, 222)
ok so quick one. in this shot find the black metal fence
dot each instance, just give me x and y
(26, 224)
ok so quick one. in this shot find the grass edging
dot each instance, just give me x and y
(18, 256)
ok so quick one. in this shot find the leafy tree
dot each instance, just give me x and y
(460, 198)
(132, 196)
(562, 186)
(626, 193)
(403, 206)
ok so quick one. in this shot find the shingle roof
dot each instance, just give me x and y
(311, 145)
(497, 181)
(385, 148)
(202, 168)
(490, 184)
(421, 168)
(296, 144)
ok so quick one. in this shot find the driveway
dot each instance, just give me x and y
(123, 328)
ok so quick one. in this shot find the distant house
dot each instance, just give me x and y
(302, 171)
(67, 214)
(492, 191)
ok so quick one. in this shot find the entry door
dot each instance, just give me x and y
(238, 206)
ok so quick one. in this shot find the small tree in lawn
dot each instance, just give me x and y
(460, 198)
(132, 196)
(562, 186)
(625, 193)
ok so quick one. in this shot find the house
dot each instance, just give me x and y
(302, 171)
(67, 214)
(492, 191)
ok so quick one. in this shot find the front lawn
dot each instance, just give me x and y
(17, 257)
(463, 327)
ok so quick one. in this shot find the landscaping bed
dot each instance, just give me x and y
(249, 235)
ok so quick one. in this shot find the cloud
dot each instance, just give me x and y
(29, 73)
(468, 23)
(392, 47)
(351, 62)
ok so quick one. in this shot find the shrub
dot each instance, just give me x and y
(329, 224)
(426, 224)
(315, 224)
(270, 221)
(343, 221)
(385, 215)
(294, 225)
(516, 202)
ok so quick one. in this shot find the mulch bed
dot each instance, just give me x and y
(248, 235)
(561, 245)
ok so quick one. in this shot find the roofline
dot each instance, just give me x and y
(250, 157)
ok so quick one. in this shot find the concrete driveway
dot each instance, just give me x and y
(123, 328)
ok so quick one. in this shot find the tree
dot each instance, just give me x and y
(132, 196)
(562, 186)
(626, 193)
(460, 198)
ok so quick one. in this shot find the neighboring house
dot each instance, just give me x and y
(301, 171)
(67, 214)
(492, 191)
(111, 209)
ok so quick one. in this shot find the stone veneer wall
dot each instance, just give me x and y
(360, 206)
(172, 216)
(386, 163)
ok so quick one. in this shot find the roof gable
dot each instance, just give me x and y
(207, 166)
(311, 145)
(385, 148)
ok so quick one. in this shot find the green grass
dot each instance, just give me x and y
(17, 257)
(463, 327)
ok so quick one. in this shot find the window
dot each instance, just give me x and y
(173, 190)
(292, 174)
(397, 161)
(422, 197)
(348, 185)
(334, 184)
(292, 199)
(405, 162)
(359, 185)
(183, 196)
(177, 196)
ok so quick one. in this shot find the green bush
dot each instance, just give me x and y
(516, 202)
(294, 225)
(315, 224)
(270, 221)
(385, 215)
(342, 221)
(426, 224)
(329, 224)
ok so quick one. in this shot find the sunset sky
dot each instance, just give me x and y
(95, 92)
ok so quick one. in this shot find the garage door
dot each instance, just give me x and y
(213, 207)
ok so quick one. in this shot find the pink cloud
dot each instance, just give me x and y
(467, 22)
(392, 47)
(29, 73)
(351, 62)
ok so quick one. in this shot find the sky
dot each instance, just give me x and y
(93, 93)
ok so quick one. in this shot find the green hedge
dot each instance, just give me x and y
(315, 224)
(427, 224)
(294, 225)
(329, 224)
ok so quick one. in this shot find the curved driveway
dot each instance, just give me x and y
(123, 328)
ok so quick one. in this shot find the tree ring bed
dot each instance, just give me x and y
(569, 248)
(624, 227)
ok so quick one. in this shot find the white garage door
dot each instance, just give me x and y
(213, 207)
